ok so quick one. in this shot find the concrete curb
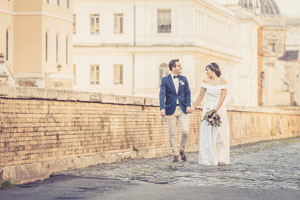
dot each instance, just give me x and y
(20, 174)
(1, 177)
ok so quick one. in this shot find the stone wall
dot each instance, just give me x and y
(45, 131)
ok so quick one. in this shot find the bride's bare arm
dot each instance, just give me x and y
(199, 98)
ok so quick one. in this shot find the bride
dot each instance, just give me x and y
(214, 145)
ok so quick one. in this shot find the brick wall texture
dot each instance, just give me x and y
(46, 131)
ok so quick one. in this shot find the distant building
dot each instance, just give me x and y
(123, 47)
(279, 66)
(36, 41)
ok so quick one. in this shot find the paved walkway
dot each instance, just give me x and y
(269, 170)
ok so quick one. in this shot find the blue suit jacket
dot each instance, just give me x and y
(168, 96)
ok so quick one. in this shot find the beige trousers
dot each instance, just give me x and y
(184, 126)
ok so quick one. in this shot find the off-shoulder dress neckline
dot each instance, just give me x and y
(223, 86)
(213, 85)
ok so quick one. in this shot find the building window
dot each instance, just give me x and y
(272, 46)
(94, 74)
(7, 44)
(118, 74)
(164, 20)
(262, 79)
(68, 4)
(74, 23)
(46, 47)
(56, 48)
(163, 71)
(58, 2)
(74, 73)
(67, 50)
(118, 23)
(95, 18)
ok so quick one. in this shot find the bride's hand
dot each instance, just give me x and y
(193, 108)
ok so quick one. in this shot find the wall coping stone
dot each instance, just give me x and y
(8, 92)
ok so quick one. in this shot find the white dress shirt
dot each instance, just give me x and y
(176, 84)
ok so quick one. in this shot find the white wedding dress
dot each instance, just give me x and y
(214, 145)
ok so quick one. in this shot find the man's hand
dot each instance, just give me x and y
(189, 110)
(163, 113)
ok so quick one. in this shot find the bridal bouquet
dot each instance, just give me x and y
(213, 118)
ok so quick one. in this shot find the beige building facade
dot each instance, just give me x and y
(197, 32)
(37, 44)
(93, 45)
(279, 71)
(7, 40)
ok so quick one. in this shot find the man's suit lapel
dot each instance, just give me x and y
(171, 83)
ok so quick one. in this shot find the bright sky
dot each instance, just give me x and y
(287, 7)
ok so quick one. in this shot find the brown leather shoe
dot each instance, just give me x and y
(175, 159)
(183, 156)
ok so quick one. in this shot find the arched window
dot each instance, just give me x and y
(7, 44)
(46, 47)
(163, 71)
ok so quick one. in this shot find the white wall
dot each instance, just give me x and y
(146, 23)
(293, 38)
(106, 9)
(106, 63)
(217, 36)
(147, 71)
(248, 66)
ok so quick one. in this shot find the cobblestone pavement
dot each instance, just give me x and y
(265, 165)
(264, 171)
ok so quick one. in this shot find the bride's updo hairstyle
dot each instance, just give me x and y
(215, 68)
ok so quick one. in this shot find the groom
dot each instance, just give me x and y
(175, 103)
